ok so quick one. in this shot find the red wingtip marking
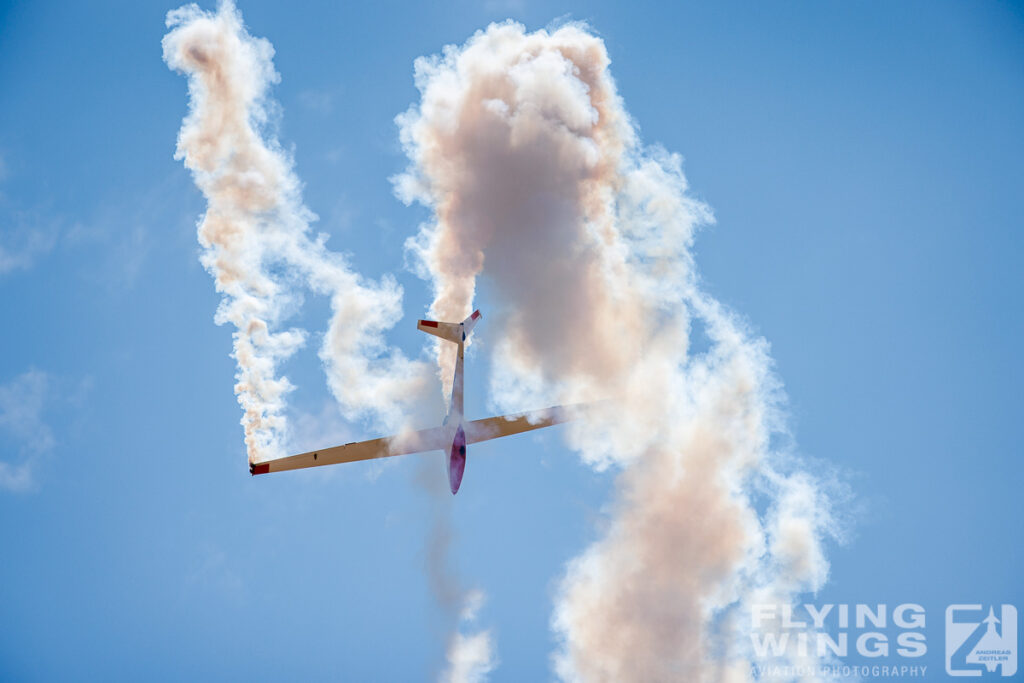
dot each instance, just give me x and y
(262, 468)
(476, 314)
(428, 323)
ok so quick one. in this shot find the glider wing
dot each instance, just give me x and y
(516, 423)
(402, 444)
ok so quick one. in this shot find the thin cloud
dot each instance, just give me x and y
(25, 236)
(319, 101)
(23, 402)
(26, 240)
(212, 571)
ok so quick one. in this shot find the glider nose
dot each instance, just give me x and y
(457, 461)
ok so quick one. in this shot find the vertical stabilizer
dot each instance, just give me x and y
(469, 323)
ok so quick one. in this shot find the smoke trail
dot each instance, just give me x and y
(538, 182)
(257, 243)
(470, 656)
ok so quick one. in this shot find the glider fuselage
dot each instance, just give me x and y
(454, 419)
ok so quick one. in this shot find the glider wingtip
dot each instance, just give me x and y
(260, 468)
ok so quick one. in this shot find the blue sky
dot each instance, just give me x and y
(863, 161)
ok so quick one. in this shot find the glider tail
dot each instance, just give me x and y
(453, 332)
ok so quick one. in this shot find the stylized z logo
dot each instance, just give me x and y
(966, 614)
(978, 645)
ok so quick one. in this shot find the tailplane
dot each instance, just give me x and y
(453, 332)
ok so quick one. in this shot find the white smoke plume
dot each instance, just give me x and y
(471, 656)
(257, 243)
(539, 184)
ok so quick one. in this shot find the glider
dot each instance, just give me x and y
(452, 436)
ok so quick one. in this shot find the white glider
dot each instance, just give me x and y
(452, 436)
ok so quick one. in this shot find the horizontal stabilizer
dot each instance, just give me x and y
(448, 331)
(453, 332)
